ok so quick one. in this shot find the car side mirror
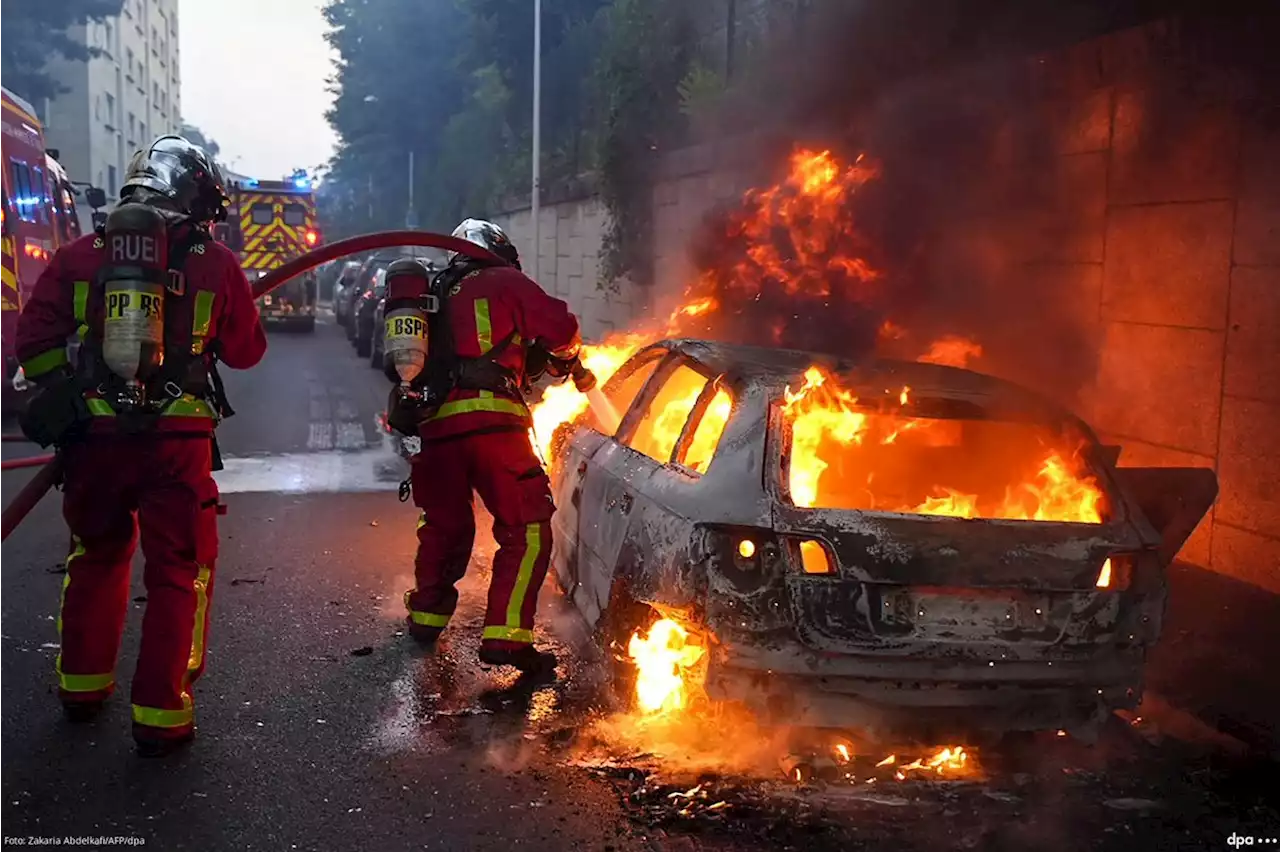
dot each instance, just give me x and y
(96, 197)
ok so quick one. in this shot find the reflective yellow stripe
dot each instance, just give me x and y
(86, 683)
(188, 406)
(484, 327)
(100, 408)
(44, 362)
(203, 319)
(465, 406)
(532, 547)
(158, 717)
(510, 634)
(422, 520)
(80, 304)
(429, 619)
(201, 588)
(76, 682)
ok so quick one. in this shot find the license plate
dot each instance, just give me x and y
(966, 612)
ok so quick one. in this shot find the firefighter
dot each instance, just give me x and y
(156, 302)
(490, 324)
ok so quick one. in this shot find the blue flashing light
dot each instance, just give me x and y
(302, 183)
(251, 182)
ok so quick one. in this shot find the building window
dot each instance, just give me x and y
(111, 35)
(111, 109)
(97, 107)
(155, 93)
(132, 125)
(128, 61)
(111, 180)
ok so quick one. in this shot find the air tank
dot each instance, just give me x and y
(134, 272)
(405, 332)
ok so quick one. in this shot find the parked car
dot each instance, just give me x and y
(867, 606)
(365, 280)
(363, 309)
(342, 296)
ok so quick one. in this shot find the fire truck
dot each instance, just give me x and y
(269, 223)
(38, 216)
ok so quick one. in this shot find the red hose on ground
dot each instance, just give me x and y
(14, 438)
(29, 496)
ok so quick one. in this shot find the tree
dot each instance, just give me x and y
(35, 32)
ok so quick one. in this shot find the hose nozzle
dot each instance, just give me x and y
(583, 379)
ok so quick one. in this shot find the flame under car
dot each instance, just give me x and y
(966, 556)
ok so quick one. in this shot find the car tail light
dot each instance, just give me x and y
(1116, 572)
(814, 558)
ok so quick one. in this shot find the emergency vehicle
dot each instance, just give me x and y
(38, 216)
(269, 223)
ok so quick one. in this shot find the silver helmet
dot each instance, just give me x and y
(487, 235)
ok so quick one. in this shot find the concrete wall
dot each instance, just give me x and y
(569, 263)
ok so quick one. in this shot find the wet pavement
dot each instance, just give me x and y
(322, 727)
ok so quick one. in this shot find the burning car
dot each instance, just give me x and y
(885, 545)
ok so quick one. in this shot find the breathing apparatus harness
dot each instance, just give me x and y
(446, 371)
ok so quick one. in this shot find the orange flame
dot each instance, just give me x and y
(662, 658)
(826, 419)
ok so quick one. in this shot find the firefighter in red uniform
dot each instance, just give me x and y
(138, 453)
(491, 321)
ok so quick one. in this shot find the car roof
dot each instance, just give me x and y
(775, 369)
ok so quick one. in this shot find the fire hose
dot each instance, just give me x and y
(51, 473)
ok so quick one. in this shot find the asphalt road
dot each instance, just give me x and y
(322, 727)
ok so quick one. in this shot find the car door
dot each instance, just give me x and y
(575, 485)
(621, 471)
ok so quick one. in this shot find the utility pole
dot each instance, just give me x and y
(537, 137)
(411, 217)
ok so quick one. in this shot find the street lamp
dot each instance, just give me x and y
(537, 136)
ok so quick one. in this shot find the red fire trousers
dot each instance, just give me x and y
(503, 469)
(116, 488)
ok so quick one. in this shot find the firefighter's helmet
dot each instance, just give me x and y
(181, 172)
(487, 235)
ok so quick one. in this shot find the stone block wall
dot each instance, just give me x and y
(1169, 233)
(568, 265)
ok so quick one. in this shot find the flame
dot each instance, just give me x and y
(826, 420)
(661, 659)
(951, 351)
(563, 402)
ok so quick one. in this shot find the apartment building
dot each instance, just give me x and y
(119, 100)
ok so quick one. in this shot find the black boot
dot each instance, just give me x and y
(79, 712)
(527, 659)
(153, 746)
(424, 634)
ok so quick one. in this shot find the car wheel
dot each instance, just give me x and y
(621, 619)
(375, 357)
(364, 346)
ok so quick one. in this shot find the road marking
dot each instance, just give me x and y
(350, 436)
(321, 437)
(294, 473)
(346, 411)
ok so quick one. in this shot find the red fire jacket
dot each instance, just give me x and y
(490, 304)
(220, 308)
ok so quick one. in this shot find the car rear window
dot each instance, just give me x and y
(705, 436)
(879, 455)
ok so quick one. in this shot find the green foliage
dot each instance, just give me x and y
(35, 32)
(645, 56)
(452, 81)
(700, 90)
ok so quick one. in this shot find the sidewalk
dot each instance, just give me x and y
(1217, 656)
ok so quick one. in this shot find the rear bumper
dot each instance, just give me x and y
(787, 683)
